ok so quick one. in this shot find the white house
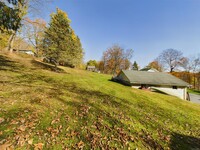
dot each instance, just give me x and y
(161, 81)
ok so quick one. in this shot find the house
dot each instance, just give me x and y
(91, 68)
(149, 69)
(29, 52)
(161, 81)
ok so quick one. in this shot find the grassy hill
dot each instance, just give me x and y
(76, 109)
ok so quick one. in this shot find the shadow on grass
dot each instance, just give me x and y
(112, 110)
(119, 82)
(33, 78)
(184, 142)
(8, 65)
(47, 66)
(158, 91)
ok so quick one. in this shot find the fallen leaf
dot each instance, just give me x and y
(30, 142)
(38, 146)
(80, 145)
(2, 120)
(22, 128)
(5, 146)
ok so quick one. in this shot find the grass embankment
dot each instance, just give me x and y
(76, 109)
(193, 91)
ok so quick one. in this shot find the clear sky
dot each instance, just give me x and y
(146, 26)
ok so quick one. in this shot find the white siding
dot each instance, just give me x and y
(179, 92)
(136, 87)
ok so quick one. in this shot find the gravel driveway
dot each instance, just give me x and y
(195, 98)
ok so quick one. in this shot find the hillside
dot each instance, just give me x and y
(76, 109)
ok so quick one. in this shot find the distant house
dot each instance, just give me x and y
(91, 68)
(149, 69)
(161, 81)
(29, 52)
(22, 46)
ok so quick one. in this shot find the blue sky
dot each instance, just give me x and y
(146, 26)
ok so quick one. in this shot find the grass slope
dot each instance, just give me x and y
(193, 91)
(76, 109)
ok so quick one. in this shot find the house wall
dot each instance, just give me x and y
(136, 87)
(179, 92)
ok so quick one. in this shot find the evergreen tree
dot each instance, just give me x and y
(11, 18)
(60, 42)
(135, 66)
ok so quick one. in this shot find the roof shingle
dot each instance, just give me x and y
(153, 78)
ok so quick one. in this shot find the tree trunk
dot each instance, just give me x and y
(11, 41)
(194, 78)
(171, 69)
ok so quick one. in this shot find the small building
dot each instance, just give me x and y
(149, 69)
(161, 81)
(29, 52)
(91, 68)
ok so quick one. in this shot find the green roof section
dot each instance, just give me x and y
(153, 78)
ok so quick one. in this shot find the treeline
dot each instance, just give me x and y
(173, 61)
(185, 68)
(56, 42)
(192, 78)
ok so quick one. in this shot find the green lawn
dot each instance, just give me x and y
(76, 109)
(194, 91)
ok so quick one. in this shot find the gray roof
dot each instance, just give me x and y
(153, 78)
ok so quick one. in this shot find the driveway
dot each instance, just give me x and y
(195, 98)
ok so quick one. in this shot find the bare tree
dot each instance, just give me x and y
(195, 67)
(192, 66)
(170, 58)
(33, 31)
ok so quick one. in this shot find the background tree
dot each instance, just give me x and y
(60, 42)
(156, 65)
(4, 36)
(195, 67)
(12, 18)
(33, 31)
(115, 58)
(92, 63)
(191, 66)
(170, 58)
(12, 14)
(135, 66)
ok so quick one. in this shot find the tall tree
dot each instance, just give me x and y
(12, 13)
(115, 58)
(12, 17)
(170, 58)
(60, 42)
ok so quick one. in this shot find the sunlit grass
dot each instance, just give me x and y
(75, 108)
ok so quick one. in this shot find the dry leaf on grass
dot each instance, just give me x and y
(80, 145)
(6, 146)
(30, 142)
(2, 120)
(38, 146)
(22, 128)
